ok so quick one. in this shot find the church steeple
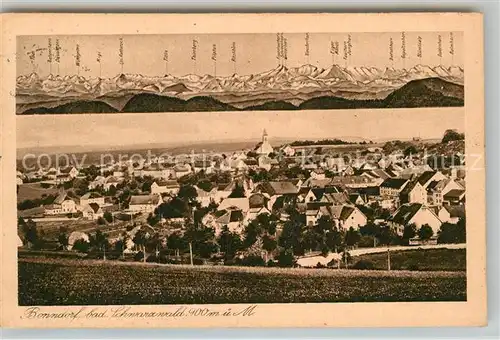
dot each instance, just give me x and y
(264, 136)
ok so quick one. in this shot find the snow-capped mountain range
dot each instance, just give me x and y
(303, 79)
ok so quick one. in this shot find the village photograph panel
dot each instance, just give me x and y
(240, 168)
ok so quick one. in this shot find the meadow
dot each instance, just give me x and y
(49, 281)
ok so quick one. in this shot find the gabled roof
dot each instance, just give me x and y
(230, 202)
(90, 195)
(60, 198)
(346, 212)
(319, 192)
(394, 183)
(257, 200)
(335, 198)
(278, 188)
(454, 194)
(167, 183)
(456, 210)
(95, 207)
(405, 213)
(408, 188)
(426, 176)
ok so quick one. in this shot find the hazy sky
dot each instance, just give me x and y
(134, 129)
(254, 53)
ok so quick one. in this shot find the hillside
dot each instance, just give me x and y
(80, 106)
(154, 103)
(430, 92)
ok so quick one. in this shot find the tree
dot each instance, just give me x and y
(269, 244)
(205, 185)
(352, 237)
(425, 232)
(452, 135)
(81, 245)
(237, 192)
(140, 241)
(286, 258)
(229, 243)
(112, 190)
(187, 193)
(411, 150)
(452, 233)
(176, 242)
(108, 217)
(101, 221)
(30, 232)
(63, 240)
(410, 231)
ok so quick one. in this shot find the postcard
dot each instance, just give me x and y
(243, 170)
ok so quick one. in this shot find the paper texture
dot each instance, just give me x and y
(243, 170)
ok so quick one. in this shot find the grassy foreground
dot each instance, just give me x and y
(419, 259)
(82, 282)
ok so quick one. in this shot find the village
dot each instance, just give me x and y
(307, 203)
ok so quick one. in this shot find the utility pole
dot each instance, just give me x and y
(388, 259)
(191, 252)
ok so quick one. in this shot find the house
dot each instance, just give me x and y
(318, 174)
(111, 181)
(242, 204)
(392, 187)
(205, 197)
(97, 182)
(63, 178)
(356, 199)
(451, 213)
(144, 203)
(287, 150)
(265, 162)
(336, 164)
(344, 216)
(91, 197)
(203, 165)
(92, 211)
(62, 204)
(264, 147)
(413, 192)
(155, 171)
(70, 171)
(338, 198)
(315, 194)
(430, 176)
(181, 170)
(170, 187)
(275, 188)
(454, 197)
(416, 213)
(258, 204)
(231, 217)
(437, 189)
(355, 181)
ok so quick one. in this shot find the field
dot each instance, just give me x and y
(31, 191)
(422, 259)
(83, 282)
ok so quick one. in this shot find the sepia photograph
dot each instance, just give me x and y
(359, 204)
(205, 174)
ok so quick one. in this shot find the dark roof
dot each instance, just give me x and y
(432, 185)
(346, 212)
(393, 183)
(409, 187)
(236, 216)
(257, 200)
(369, 191)
(454, 194)
(319, 192)
(426, 176)
(278, 188)
(144, 199)
(456, 210)
(405, 213)
(94, 206)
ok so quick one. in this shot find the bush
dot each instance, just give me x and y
(366, 242)
(413, 266)
(101, 221)
(139, 256)
(251, 261)
(364, 265)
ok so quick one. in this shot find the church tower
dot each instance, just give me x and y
(264, 136)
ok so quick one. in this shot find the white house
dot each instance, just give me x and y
(91, 197)
(170, 187)
(414, 213)
(144, 203)
(392, 187)
(264, 148)
(92, 211)
(413, 192)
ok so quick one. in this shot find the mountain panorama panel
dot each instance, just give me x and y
(238, 72)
